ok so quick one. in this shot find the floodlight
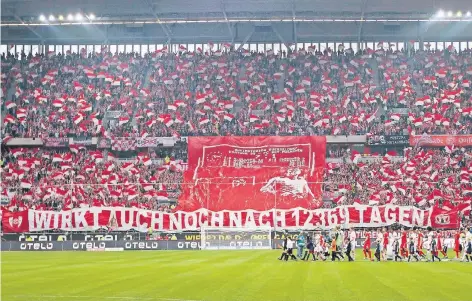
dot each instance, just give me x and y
(91, 17)
(459, 14)
(42, 18)
(440, 13)
(51, 18)
(449, 13)
(78, 17)
(61, 17)
(70, 17)
(468, 14)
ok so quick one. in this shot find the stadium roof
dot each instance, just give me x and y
(166, 18)
(204, 9)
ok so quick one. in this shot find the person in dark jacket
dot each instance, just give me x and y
(310, 249)
(396, 250)
(284, 247)
(412, 250)
(434, 250)
(378, 245)
(348, 250)
(468, 248)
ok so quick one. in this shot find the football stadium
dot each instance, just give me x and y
(211, 150)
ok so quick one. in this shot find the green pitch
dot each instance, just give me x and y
(222, 275)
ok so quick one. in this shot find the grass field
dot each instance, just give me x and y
(223, 275)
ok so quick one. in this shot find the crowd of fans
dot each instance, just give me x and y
(46, 179)
(68, 95)
(238, 92)
(303, 92)
(421, 178)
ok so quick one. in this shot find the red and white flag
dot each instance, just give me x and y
(204, 121)
(122, 120)
(300, 90)
(78, 118)
(200, 98)
(253, 118)
(168, 122)
(25, 184)
(10, 104)
(228, 117)
(191, 126)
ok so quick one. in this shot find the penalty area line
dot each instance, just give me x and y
(40, 297)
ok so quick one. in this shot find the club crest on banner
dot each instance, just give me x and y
(15, 222)
(442, 219)
(450, 140)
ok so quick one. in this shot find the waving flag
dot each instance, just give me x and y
(204, 121)
(123, 120)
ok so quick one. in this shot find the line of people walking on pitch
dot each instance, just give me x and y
(410, 244)
(320, 246)
(407, 246)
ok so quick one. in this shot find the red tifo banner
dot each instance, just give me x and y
(260, 173)
(123, 219)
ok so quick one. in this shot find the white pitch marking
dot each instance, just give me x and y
(98, 298)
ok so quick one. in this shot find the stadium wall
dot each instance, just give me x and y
(413, 140)
(135, 242)
(170, 141)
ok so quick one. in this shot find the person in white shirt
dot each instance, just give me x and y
(414, 236)
(468, 246)
(429, 243)
(466, 237)
(378, 247)
(352, 239)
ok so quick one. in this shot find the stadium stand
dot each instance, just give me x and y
(62, 180)
(304, 92)
(243, 93)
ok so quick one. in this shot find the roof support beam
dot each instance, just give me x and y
(280, 37)
(295, 34)
(227, 22)
(31, 29)
(164, 27)
(359, 33)
(104, 34)
(247, 38)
